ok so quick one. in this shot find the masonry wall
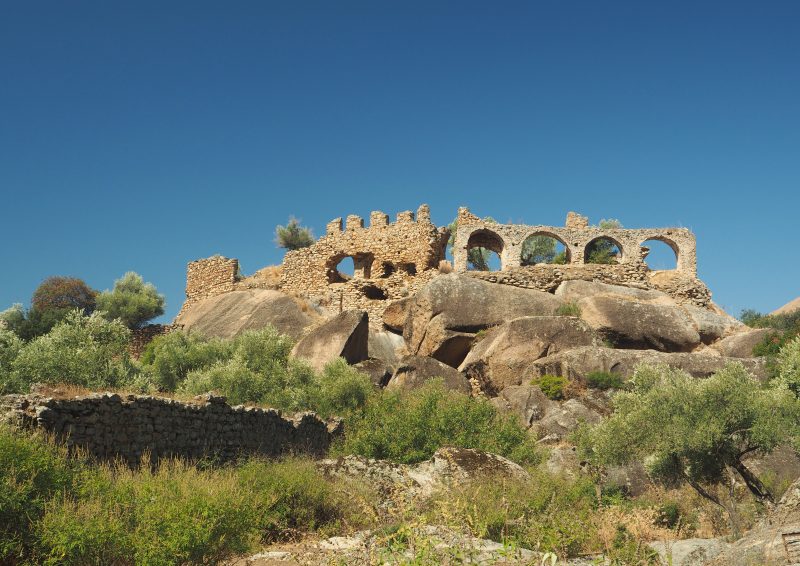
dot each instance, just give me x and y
(141, 337)
(110, 426)
(576, 235)
(210, 277)
(391, 261)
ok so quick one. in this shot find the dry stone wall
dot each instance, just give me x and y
(390, 260)
(141, 337)
(112, 426)
(210, 277)
(630, 268)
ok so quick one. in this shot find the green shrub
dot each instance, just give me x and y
(132, 301)
(553, 386)
(81, 350)
(409, 426)
(10, 346)
(342, 389)
(570, 308)
(604, 380)
(169, 358)
(33, 470)
(293, 497)
(546, 513)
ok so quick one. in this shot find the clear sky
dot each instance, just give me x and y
(142, 135)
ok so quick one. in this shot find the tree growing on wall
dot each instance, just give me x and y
(132, 301)
(293, 236)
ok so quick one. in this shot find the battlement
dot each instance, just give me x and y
(378, 219)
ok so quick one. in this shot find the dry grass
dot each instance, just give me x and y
(445, 267)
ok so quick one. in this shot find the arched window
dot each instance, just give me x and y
(544, 248)
(484, 249)
(660, 254)
(603, 250)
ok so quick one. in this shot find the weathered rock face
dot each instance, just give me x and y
(446, 313)
(378, 371)
(395, 314)
(526, 401)
(415, 371)
(500, 358)
(448, 466)
(346, 335)
(577, 363)
(741, 345)
(230, 314)
(574, 291)
(385, 346)
(661, 323)
(640, 325)
(561, 420)
(111, 426)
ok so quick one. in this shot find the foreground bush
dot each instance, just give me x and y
(56, 510)
(33, 470)
(409, 426)
(89, 351)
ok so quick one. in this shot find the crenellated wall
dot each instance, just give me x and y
(390, 259)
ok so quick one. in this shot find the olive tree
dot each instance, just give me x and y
(696, 431)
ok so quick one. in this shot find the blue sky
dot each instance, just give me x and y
(142, 135)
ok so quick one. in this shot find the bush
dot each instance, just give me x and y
(546, 513)
(81, 350)
(409, 426)
(569, 309)
(169, 358)
(132, 301)
(553, 386)
(293, 497)
(32, 471)
(10, 346)
(604, 380)
(788, 365)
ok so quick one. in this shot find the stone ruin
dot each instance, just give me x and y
(392, 260)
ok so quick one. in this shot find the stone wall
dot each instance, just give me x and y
(110, 426)
(391, 261)
(141, 337)
(631, 269)
(210, 277)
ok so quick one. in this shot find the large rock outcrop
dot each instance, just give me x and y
(445, 314)
(741, 345)
(578, 362)
(415, 371)
(647, 318)
(230, 314)
(346, 335)
(500, 358)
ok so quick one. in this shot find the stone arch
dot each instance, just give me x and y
(487, 239)
(673, 245)
(567, 254)
(619, 254)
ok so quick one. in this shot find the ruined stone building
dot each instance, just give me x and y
(392, 260)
